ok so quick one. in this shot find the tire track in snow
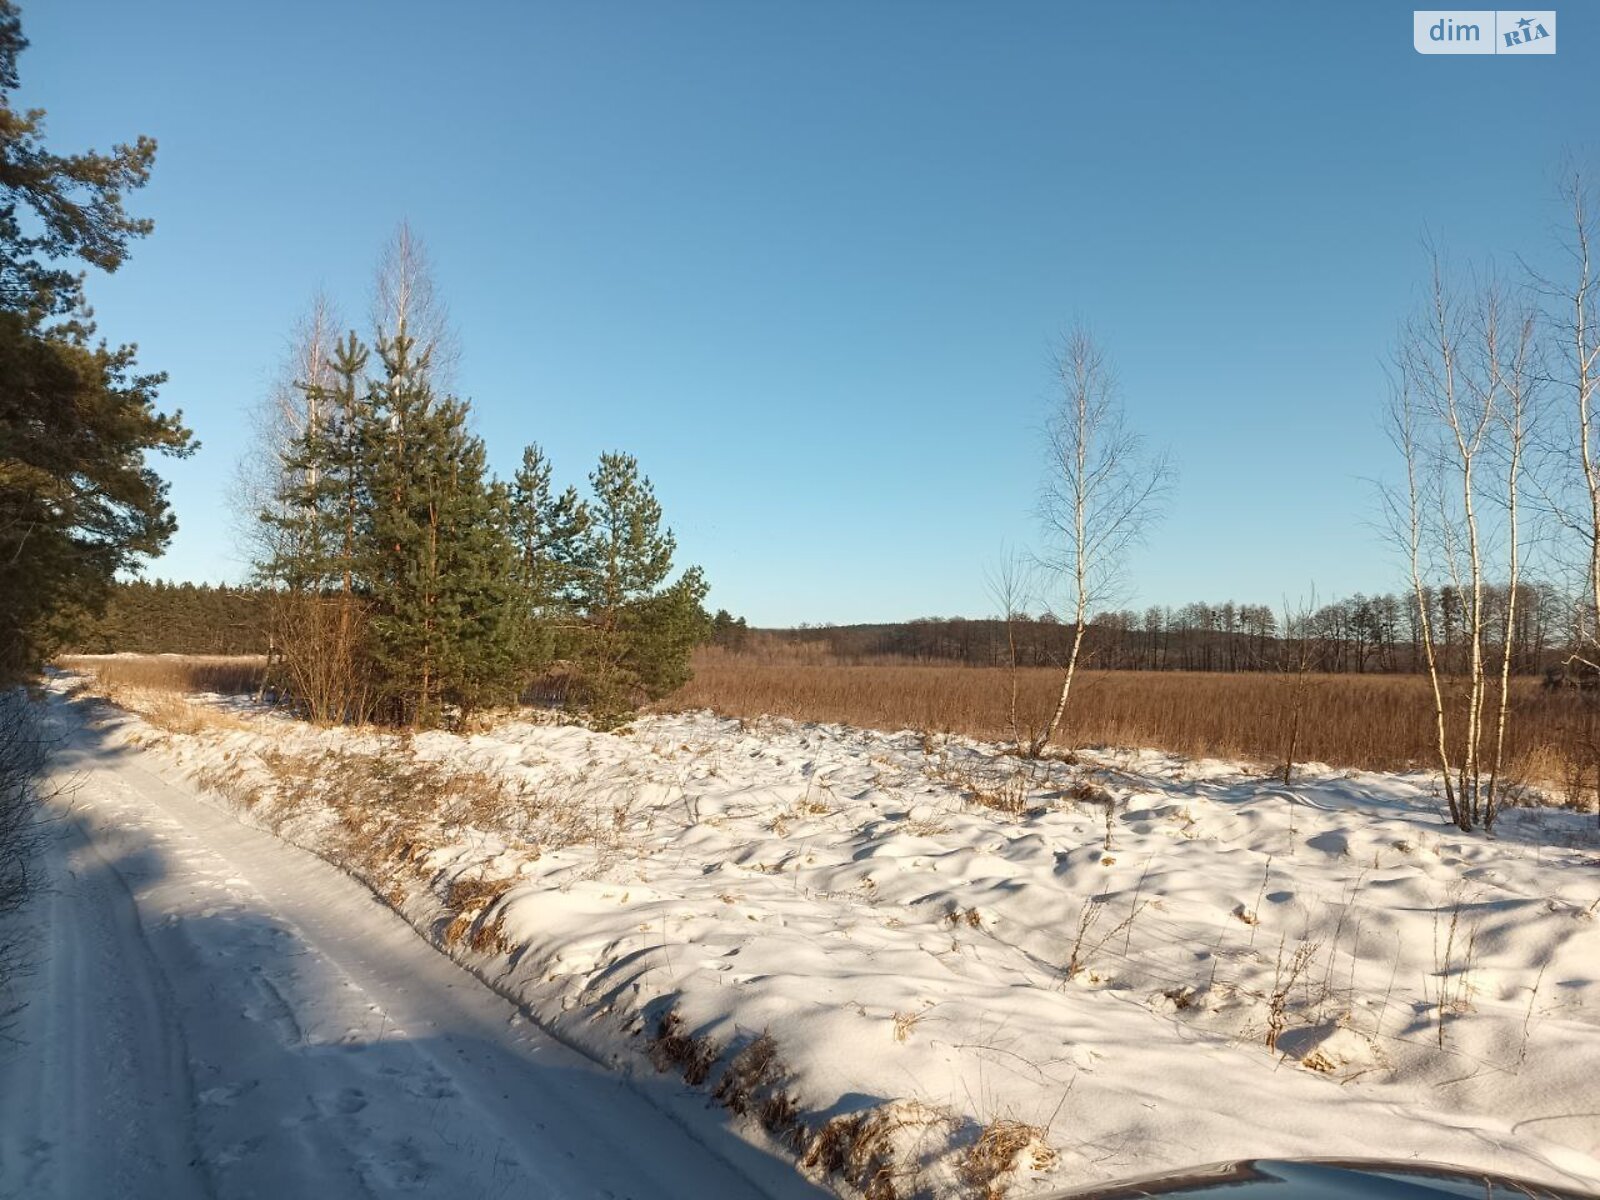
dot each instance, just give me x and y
(217, 1013)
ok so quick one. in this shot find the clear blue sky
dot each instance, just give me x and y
(807, 260)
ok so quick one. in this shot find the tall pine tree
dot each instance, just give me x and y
(439, 558)
(78, 421)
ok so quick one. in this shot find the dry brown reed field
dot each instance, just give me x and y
(1373, 722)
(227, 675)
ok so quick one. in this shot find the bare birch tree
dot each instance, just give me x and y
(262, 474)
(1577, 323)
(1571, 487)
(1460, 415)
(1101, 493)
(276, 421)
(405, 299)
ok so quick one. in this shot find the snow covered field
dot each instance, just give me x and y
(921, 967)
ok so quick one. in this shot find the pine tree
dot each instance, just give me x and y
(439, 560)
(729, 632)
(481, 666)
(78, 501)
(546, 531)
(638, 633)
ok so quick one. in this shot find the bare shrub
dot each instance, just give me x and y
(1284, 977)
(1455, 955)
(321, 659)
(1086, 943)
(1298, 658)
(24, 746)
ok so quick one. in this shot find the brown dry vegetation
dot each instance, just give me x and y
(160, 687)
(995, 1152)
(228, 675)
(1374, 722)
(1371, 722)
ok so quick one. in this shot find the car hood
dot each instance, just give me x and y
(1325, 1179)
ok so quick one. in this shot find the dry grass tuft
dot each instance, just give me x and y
(159, 687)
(472, 900)
(474, 895)
(673, 1048)
(1002, 787)
(904, 1023)
(864, 1148)
(490, 937)
(995, 1154)
(754, 1084)
(970, 917)
(1085, 792)
(170, 712)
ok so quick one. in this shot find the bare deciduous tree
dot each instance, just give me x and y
(276, 420)
(1460, 416)
(1299, 654)
(405, 298)
(1101, 493)
(1010, 587)
(1571, 488)
(1572, 314)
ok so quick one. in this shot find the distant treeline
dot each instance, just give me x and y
(1360, 634)
(155, 617)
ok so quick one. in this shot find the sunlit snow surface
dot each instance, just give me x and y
(842, 891)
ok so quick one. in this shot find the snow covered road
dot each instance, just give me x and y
(213, 1012)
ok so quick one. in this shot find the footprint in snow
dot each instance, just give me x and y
(1336, 844)
(232, 1154)
(350, 1101)
(224, 1096)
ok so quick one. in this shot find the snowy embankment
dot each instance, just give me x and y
(929, 969)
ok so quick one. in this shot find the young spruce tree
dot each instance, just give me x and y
(638, 633)
(547, 531)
